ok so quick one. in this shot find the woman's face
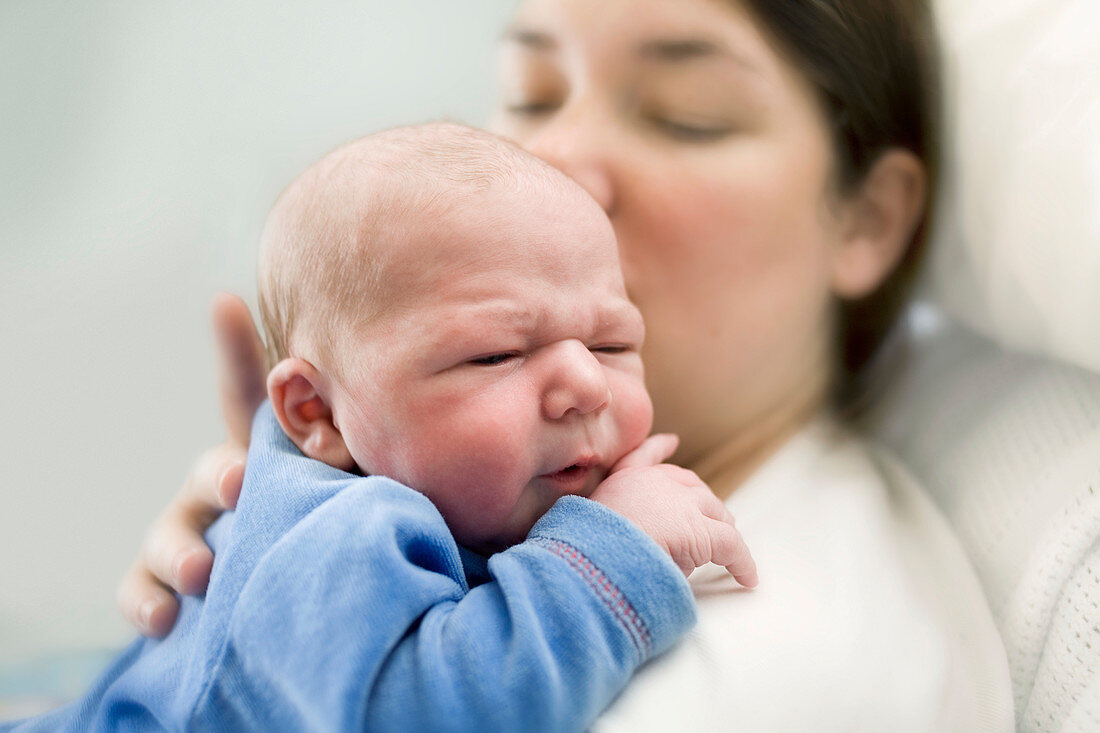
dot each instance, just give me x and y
(711, 156)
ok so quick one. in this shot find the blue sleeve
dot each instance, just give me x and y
(360, 618)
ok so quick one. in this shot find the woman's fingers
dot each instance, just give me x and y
(146, 603)
(213, 486)
(243, 365)
(229, 483)
(176, 554)
(174, 550)
(654, 450)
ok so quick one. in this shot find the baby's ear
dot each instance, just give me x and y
(294, 386)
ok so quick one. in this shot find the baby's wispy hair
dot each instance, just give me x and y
(329, 237)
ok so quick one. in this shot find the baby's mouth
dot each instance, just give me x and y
(575, 477)
(569, 474)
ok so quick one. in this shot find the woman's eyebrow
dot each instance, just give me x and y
(676, 50)
(532, 39)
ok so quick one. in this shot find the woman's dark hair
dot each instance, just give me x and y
(875, 65)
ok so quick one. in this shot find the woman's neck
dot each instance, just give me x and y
(748, 445)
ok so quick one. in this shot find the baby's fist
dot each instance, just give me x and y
(680, 513)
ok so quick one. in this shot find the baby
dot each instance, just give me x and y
(456, 374)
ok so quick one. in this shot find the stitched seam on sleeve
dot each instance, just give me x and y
(608, 592)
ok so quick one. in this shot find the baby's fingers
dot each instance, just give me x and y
(654, 450)
(729, 550)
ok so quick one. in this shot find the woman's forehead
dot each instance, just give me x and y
(694, 54)
(646, 33)
(705, 25)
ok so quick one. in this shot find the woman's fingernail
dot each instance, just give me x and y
(177, 564)
(228, 492)
(221, 478)
(145, 611)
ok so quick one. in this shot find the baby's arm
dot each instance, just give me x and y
(674, 508)
(360, 617)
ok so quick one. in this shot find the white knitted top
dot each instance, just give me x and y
(1009, 447)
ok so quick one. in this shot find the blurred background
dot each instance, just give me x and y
(141, 144)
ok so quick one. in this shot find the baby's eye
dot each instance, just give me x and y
(493, 359)
(610, 348)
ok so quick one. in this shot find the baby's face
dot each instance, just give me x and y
(502, 383)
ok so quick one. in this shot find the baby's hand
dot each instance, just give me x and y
(676, 509)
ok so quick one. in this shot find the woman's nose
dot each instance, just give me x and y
(575, 382)
(571, 142)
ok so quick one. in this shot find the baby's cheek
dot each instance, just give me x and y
(472, 454)
(634, 415)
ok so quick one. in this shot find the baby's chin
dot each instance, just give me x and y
(491, 546)
(491, 543)
(501, 542)
(488, 543)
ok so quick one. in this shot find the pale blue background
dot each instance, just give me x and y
(141, 144)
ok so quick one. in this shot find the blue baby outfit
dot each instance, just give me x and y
(339, 602)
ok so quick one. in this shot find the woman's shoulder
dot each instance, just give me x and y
(866, 607)
(832, 477)
(835, 477)
(833, 513)
(909, 587)
(852, 509)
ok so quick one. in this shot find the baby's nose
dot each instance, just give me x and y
(576, 383)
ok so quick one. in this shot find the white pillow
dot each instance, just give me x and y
(1017, 244)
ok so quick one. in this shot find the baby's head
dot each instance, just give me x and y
(447, 310)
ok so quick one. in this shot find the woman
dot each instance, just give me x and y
(766, 165)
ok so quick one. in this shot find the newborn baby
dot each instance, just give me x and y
(448, 311)
(456, 373)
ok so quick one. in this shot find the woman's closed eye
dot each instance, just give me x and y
(676, 129)
(688, 132)
(531, 108)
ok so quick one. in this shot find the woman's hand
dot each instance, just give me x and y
(174, 555)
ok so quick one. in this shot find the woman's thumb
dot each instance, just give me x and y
(242, 365)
